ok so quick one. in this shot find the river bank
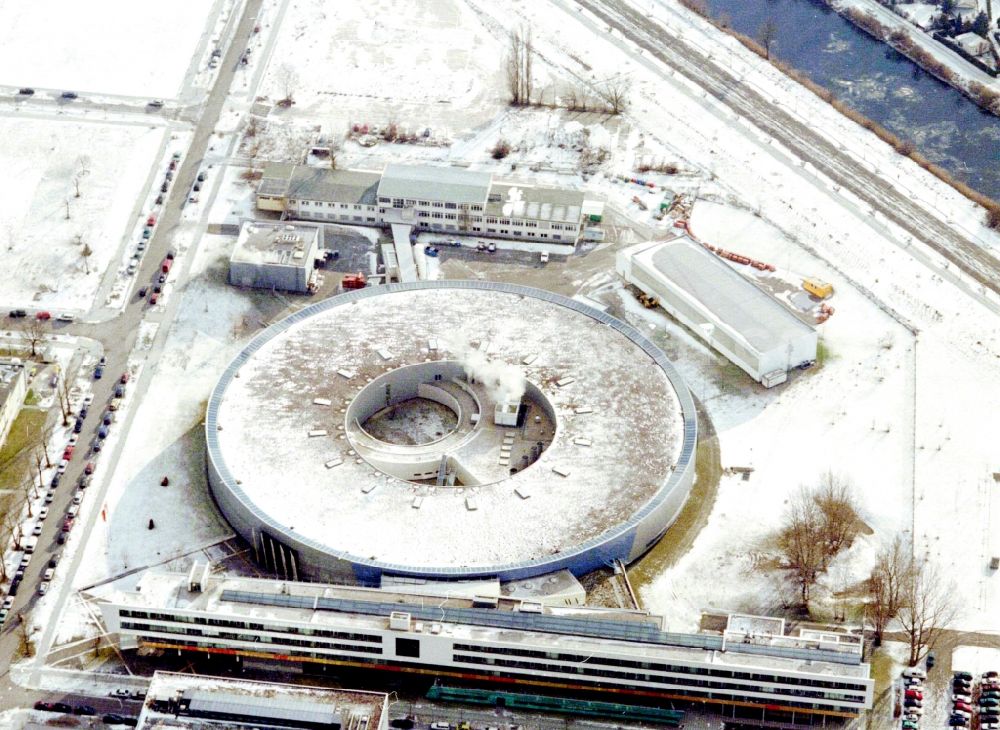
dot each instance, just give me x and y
(931, 141)
(935, 58)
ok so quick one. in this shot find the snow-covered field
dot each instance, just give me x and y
(419, 64)
(109, 162)
(115, 47)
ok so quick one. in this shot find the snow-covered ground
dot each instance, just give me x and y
(111, 165)
(421, 64)
(116, 47)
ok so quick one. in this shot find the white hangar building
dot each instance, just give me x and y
(721, 306)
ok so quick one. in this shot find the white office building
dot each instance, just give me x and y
(429, 198)
(603, 652)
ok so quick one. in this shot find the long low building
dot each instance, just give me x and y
(429, 198)
(198, 702)
(625, 655)
(721, 306)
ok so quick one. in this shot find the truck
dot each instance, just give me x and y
(819, 289)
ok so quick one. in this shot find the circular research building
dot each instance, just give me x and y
(450, 429)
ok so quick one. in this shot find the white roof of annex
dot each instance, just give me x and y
(615, 398)
(430, 182)
(732, 299)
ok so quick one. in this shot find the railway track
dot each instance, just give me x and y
(806, 144)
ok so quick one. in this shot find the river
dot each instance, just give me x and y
(885, 86)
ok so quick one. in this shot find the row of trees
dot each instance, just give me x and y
(820, 523)
(610, 96)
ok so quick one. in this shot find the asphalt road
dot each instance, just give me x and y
(118, 337)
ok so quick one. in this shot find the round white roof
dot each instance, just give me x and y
(281, 447)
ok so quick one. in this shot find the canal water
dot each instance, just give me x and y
(880, 83)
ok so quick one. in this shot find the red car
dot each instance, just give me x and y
(153, 297)
(914, 694)
(151, 221)
(963, 706)
(43, 316)
(68, 453)
(89, 468)
(124, 378)
(67, 524)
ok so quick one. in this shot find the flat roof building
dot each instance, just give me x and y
(430, 198)
(275, 256)
(598, 651)
(721, 306)
(198, 702)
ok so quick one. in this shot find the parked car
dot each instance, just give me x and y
(119, 390)
(965, 676)
(26, 91)
(89, 468)
(957, 721)
(48, 574)
(78, 426)
(108, 417)
(43, 588)
(162, 279)
(63, 465)
(56, 478)
(156, 104)
(963, 706)
(78, 498)
(98, 372)
(96, 446)
(88, 399)
(66, 317)
(69, 95)
(67, 524)
(961, 697)
(84, 710)
(18, 313)
(54, 560)
(8, 603)
(142, 291)
(990, 675)
(49, 497)
(37, 529)
(43, 316)
(154, 297)
(43, 706)
(164, 187)
(201, 176)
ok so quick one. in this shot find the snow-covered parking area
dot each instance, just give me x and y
(113, 47)
(45, 226)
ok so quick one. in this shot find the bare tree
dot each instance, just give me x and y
(289, 80)
(929, 605)
(520, 83)
(615, 93)
(62, 390)
(34, 331)
(767, 35)
(801, 552)
(885, 586)
(514, 68)
(85, 253)
(67, 208)
(839, 524)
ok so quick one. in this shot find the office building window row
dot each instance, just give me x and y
(658, 667)
(687, 682)
(250, 626)
(277, 641)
